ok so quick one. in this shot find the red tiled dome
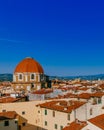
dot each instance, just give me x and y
(29, 65)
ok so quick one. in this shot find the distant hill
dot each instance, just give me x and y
(86, 77)
(9, 77)
(6, 77)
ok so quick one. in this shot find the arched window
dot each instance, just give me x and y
(32, 76)
(20, 76)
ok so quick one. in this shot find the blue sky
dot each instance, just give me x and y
(65, 37)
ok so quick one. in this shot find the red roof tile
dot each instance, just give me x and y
(43, 91)
(64, 106)
(84, 96)
(77, 125)
(29, 65)
(8, 115)
(98, 121)
(97, 94)
(8, 99)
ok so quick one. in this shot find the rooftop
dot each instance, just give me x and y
(8, 115)
(8, 99)
(84, 95)
(97, 94)
(43, 91)
(63, 105)
(98, 121)
(76, 125)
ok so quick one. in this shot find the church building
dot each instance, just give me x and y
(29, 75)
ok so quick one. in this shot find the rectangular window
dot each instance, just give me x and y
(23, 113)
(3, 110)
(56, 126)
(53, 113)
(38, 111)
(91, 111)
(6, 123)
(24, 124)
(99, 101)
(45, 123)
(45, 112)
(16, 122)
(61, 127)
(68, 117)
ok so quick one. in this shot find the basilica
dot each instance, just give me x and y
(29, 75)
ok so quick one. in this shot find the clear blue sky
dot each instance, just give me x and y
(65, 36)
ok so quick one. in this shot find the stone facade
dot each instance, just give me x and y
(29, 75)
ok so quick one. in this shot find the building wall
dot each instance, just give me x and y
(81, 113)
(34, 117)
(60, 119)
(90, 126)
(96, 110)
(28, 107)
(26, 77)
(26, 81)
(12, 125)
(26, 86)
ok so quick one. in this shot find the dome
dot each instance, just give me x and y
(29, 65)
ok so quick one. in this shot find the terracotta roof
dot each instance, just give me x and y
(70, 95)
(29, 65)
(88, 95)
(8, 115)
(77, 125)
(97, 94)
(43, 91)
(84, 96)
(101, 86)
(98, 121)
(8, 99)
(63, 106)
(83, 88)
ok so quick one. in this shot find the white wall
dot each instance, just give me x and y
(81, 113)
(90, 126)
(28, 107)
(60, 119)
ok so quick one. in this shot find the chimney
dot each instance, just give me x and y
(65, 108)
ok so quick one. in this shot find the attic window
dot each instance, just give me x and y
(16, 122)
(24, 124)
(6, 123)
(4, 110)
(23, 113)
